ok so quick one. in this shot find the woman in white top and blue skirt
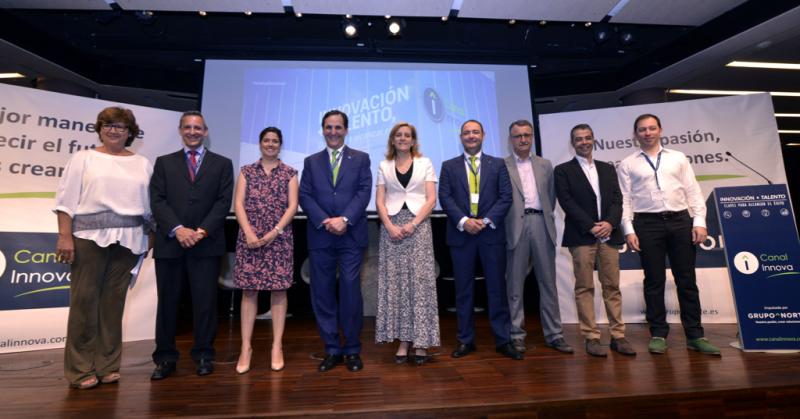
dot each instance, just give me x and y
(103, 210)
(405, 197)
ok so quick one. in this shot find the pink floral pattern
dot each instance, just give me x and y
(269, 267)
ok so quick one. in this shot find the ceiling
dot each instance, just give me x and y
(151, 52)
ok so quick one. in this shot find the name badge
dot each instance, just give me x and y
(657, 195)
(473, 198)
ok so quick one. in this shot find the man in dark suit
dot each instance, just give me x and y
(335, 189)
(475, 193)
(190, 196)
(531, 238)
(589, 194)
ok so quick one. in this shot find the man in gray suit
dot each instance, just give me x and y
(531, 238)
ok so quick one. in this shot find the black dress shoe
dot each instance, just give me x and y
(421, 359)
(560, 345)
(400, 359)
(353, 362)
(162, 371)
(329, 362)
(508, 350)
(463, 349)
(204, 367)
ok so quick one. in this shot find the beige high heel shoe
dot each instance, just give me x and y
(243, 369)
(273, 366)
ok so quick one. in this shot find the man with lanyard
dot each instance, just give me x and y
(663, 214)
(475, 193)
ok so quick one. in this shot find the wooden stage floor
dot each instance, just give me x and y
(546, 384)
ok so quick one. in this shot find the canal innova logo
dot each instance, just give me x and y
(745, 262)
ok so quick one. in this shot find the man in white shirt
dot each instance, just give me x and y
(664, 214)
(588, 191)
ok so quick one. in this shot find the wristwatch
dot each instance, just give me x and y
(346, 220)
(279, 230)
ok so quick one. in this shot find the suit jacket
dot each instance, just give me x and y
(412, 194)
(176, 200)
(319, 199)
(493, 202)
(578, 200)
(543, 173)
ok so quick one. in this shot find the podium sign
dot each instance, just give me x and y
(763, 255)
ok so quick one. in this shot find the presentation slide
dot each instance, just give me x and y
(240, 98)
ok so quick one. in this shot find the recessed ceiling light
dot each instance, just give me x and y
(248, 12)
(512, 21)
(11, 75)
(444, 18)
(707, 92)
(763, 64)
(298, 15)
(202, 12)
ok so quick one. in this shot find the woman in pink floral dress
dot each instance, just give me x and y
(265, 202)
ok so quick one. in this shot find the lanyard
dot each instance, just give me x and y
(654, 166)
(475, 172)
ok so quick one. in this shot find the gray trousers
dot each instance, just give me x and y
(533, 250)
(99, 284)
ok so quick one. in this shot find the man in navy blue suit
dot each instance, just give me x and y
(475, 193)
(335, 189)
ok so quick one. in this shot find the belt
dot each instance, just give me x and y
(663, 215)
(533, 211)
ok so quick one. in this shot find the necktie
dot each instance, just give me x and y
(474, 182)
(335, 165)
(192, 164)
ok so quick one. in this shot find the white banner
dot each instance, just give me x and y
(39, 132)
(706, 130)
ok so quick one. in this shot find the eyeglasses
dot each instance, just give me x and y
(115, 127)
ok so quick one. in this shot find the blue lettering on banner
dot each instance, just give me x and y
(30, 275)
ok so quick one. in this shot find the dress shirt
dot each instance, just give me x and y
(201, 152)
(525, 169)
(678, 191)
(340, 156)
(590, 170)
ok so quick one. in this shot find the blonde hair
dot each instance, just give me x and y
(391, 153)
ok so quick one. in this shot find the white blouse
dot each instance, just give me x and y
(95, 182)
(413, 195)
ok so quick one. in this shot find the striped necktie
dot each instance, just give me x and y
(335, 165)
(192, 164)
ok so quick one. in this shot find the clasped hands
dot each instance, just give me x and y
(397, 233)
(252, 241)
(474, 225)
(602, 230)
(335, 225)
(188, 237)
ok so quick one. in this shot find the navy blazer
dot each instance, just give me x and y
(176, 200)
(493, 202)
(319, 199)
(577, 199)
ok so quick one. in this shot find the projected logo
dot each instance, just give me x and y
(433, 104)
(30, 276)
(745, 262)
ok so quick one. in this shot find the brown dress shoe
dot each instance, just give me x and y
(622, 346)
(594, 348)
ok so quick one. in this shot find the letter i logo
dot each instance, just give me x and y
(745, 262)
